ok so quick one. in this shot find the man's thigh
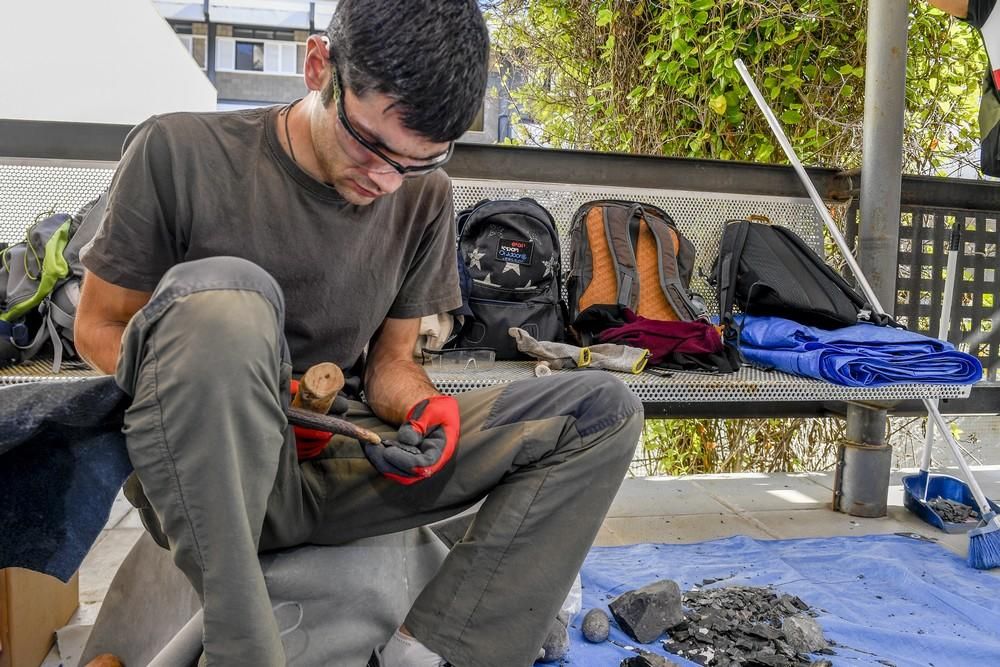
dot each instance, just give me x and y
(503, 428)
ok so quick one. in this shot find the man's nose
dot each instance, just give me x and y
(387, 182)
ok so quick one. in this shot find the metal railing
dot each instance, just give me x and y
(929, 209)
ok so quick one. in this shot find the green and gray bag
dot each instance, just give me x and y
(40, 285)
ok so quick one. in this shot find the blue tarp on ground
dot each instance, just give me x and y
(862, 355)
(901, 600)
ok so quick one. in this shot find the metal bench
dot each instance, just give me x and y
(29, 186)
(49, 165)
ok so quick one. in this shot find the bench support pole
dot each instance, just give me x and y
(861, 483)
(882, 151)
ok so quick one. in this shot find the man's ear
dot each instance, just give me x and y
(317, 69)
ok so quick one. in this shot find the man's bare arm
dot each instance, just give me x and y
(101, 317)
(394, 382)
(957, 8)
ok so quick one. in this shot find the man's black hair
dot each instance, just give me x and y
(429, 55)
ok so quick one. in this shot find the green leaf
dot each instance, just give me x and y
(604, 17)
(718, 104)
(790, 117)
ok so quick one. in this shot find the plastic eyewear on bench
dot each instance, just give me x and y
(459, 359)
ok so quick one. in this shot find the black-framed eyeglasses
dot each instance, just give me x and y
(402, 170)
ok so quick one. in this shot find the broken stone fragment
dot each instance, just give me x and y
(646, 659)
(823, 662)
(596, 626)
(803, 634)
(556, 644)
(952, 511)
(647, 612)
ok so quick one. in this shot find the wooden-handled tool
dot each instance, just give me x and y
(318, 388)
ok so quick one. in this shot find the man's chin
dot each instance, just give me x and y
(355, 194)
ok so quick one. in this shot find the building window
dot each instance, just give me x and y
(250, 56)
(197, 46)
(266, 57)
(264, 33)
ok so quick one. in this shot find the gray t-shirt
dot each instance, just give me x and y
(191, 186)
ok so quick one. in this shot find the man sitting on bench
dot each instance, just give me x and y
(239, 249)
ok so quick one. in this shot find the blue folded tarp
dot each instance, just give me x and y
(862, 355)
(62, 462)
(883, 599)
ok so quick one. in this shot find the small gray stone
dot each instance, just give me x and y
(556, 644)
(822, 662)
(596, 626)
(647, 612)
(803, 634)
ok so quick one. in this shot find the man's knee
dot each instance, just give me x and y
(594, 399)
(216, 275)
(208, 317)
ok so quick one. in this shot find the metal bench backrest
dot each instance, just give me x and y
(30, 187)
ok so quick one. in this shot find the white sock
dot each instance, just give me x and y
(403, 651)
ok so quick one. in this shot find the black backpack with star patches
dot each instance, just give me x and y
(511, 250)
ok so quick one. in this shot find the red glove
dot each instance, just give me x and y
(309, 442)
(426, 442)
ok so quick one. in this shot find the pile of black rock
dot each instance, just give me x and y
(732, 626)
(952, 511)
(745, 625)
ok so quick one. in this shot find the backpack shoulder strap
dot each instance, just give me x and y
(667, 243)
(734, 238)
(618, 222)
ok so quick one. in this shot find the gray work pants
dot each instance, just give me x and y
(207, 366)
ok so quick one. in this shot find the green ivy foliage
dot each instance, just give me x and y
(657, 77)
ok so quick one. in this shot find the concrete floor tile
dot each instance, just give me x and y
(682, 529)
(606, 537)
(762, 492)
(658, 496)
(119, 509)
(100, 565)
(827, 523)
(130, 520)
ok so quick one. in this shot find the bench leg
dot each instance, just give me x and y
(861, 486)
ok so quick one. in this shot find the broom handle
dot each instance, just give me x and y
(977, 492)
(831, 227)
(866, 288)
(943, 326)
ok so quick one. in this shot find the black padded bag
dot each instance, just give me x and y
(511, 251)
(766, 269)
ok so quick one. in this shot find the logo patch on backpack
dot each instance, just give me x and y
(515, 251)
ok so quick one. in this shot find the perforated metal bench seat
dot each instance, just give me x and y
(749, 392)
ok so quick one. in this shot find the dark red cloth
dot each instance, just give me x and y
(663, 338)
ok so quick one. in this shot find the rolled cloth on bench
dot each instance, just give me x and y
(862, 355)
(607, 356)
(62, 462)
